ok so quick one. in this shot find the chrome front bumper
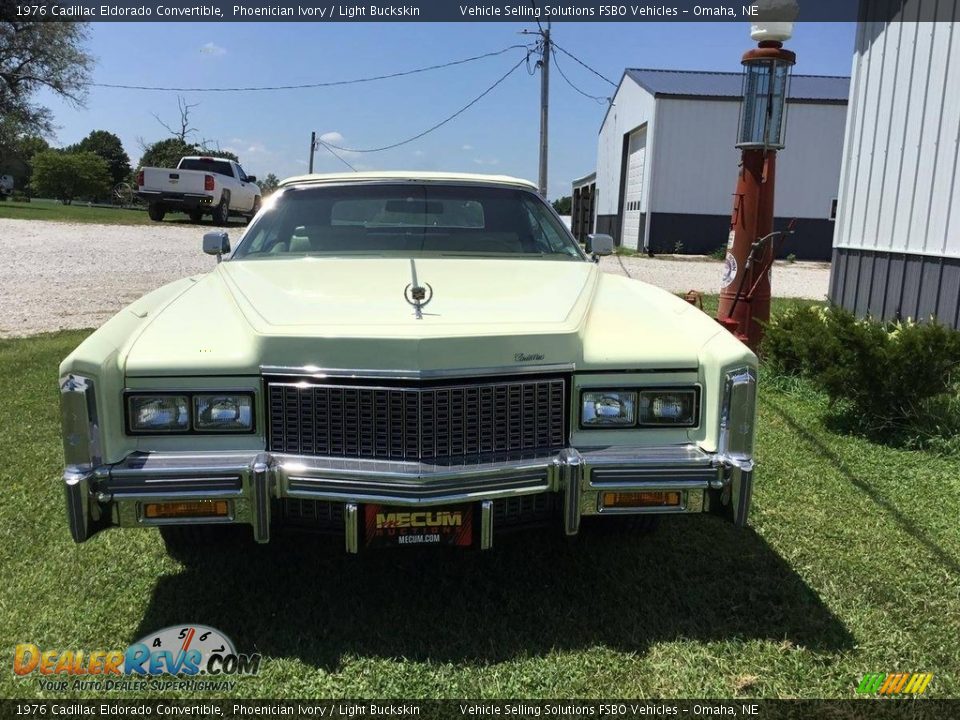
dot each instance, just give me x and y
(114, 495)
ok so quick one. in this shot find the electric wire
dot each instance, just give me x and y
(336, 155)
(581, 62)
(597, 98)
(305, 86)
(440, 124)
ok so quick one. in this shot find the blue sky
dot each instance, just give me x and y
(270, 130)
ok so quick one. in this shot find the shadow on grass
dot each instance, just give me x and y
(301, 596)
(823, 450)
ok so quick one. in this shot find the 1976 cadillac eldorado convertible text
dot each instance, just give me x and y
(405, 359)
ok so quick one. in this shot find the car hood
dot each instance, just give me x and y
(351, 313)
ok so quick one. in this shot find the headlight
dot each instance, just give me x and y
(158, 413)
(674, 408)
(206, 412)
(223, 412)
(608, 408)
(660, 407)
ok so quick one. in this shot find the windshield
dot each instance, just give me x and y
(408, 219)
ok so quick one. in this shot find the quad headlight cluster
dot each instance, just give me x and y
(163, 413)
(628, 408)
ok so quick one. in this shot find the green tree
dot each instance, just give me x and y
(166, 153)
(70, 175)
(108, 146)
(563, 205)
(268, 184)
(35, 56)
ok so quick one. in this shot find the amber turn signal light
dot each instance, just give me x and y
(641, 499)
(194, 509)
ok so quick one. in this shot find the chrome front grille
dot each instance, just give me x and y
(417, 423)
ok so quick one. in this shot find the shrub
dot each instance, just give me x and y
(720, 253)
(70, 175)
(678, 247)
(791, 258)
(886, 377)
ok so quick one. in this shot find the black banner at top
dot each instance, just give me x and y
(471, 11)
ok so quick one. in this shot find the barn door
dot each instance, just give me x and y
(634, 219)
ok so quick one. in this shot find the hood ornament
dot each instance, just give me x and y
(417, 295)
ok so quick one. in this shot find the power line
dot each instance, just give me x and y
(336, 155)
(570, 83)
(581, 62)
(333, 83)
(440, 124)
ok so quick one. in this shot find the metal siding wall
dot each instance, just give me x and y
(899, 181)
(632, 106)
(697, 162)
(696, 169)
(893, 286)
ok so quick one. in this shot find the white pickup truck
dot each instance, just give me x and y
(199, 186)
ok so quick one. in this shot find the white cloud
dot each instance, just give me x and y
(211, 48)
(467, 147)
(332, 138)
(486, 161)
(418, 153)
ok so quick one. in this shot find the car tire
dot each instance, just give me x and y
(221, 213)
(195, 217)
(187, 543)
(156, 212)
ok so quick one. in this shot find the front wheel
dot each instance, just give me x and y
(156, 212)
(221, 213)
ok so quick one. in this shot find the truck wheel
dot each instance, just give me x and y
(221, 213)
(195, 217)
(156, 212)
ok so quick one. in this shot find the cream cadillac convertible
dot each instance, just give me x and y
(405, 359)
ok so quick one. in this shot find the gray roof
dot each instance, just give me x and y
(691, 83)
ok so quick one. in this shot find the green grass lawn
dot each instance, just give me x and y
(55, 211)
(851, 564)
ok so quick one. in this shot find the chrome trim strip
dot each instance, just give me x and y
(79, 422)
(486, 524)
(351, 528)
(76, 485)
(396, 374)
(320, 489)
(573, 467)
(261, 498)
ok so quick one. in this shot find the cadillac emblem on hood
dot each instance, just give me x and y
(527, 357)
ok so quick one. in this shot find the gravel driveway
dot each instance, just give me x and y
(59, 275)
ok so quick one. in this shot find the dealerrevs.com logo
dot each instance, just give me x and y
(182, 657)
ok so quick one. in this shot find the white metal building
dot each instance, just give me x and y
(667, 161)
(897, 244)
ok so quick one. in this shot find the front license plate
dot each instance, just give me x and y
(387, 526)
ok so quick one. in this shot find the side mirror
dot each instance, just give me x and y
(216, 242)
(600, 244)
(251, 178)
